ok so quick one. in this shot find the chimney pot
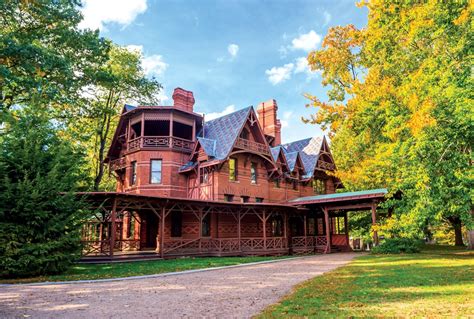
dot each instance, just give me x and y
(183, 99)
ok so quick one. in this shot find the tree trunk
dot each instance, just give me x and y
(457, 225)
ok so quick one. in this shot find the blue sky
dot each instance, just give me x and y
(231, 54)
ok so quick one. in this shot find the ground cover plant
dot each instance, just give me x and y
(437, 282)
(138, 268)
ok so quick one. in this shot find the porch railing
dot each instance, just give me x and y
(309, 242)
(252, 146)
(224, 245)
(171, 142)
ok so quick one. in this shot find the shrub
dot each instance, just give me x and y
(397, 246)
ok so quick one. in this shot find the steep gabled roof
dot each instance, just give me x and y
(291, 160)
(308, 150)
(224, 131)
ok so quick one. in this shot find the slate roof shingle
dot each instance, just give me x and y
(308, 149)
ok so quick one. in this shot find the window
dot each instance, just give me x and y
(176, 223)
(253, 173)
(319, 186)
(204, 178)
(232, 169)
(228, 198)
(245, 199)
(155, 171)
(206, 225)
(277, 182)
(277, 226)
(133, 173)
(258, 200)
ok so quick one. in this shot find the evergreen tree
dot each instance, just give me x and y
(39, 213)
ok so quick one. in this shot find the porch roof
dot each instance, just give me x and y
(341, 197)
(105, 199)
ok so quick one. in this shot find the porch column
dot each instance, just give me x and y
(126, 225)
(346, 229)
(305, 232)
(113, 227)
(238, 229)
(264, 222)
(374, 222)
(200, 229)
(162, 232)
(328, 232)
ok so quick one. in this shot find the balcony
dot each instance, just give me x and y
(160, 142)
(118, 164)
(252, 146)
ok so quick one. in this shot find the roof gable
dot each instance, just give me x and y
(224, 131)
(308, 150)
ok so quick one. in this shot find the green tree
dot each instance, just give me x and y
(39, 213)
(399, 109)
(120, 80)
(43, 53)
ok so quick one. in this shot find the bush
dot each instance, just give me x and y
(397, 246)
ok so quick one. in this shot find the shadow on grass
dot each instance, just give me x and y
(430, 283)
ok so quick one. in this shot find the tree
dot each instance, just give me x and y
(400, 109)
(43, 53)
(120, 80)
(39, 213)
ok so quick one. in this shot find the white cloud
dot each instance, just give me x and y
(97, 13)
(307, 41)
(229, 109)
(286, 118)
(233, 49)
(152, 64)
(280, 74)
(301, 65)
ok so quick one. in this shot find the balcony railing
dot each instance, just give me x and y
(162, 142)
(118, 164)
(252, 146)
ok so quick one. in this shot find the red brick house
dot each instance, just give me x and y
(186, 186)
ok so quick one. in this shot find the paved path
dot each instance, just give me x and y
(238, 292)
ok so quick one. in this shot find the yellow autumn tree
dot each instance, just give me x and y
(400, 111)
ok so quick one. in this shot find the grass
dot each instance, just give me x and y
(138, 268)
(438, 282)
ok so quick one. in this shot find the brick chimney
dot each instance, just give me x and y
(183, 99)
(267, 117)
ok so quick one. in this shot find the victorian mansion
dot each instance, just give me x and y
(228, 186)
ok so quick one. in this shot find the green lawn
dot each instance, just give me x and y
(438, 282)
(137, 268)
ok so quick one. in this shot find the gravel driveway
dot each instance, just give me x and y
(237, 292)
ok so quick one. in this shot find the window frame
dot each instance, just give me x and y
(229, 198)
(319, 186)
(253, 173)
(259, 199)
(152, 171)
(133, 173)
(233, 171)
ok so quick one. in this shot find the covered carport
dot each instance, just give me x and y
(338, 204)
